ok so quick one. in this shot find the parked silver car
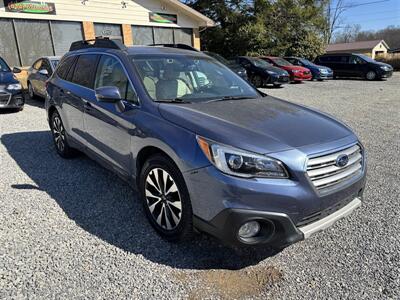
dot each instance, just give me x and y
(39, 73)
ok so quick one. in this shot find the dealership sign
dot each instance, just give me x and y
(163, 18)
(30, 7)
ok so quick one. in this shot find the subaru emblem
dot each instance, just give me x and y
(342, 160)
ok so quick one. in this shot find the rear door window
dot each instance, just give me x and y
(85, 70)
(63, 68)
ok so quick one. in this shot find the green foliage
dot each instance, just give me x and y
(260, 27)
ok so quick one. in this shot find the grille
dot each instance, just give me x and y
(4, 98)
(324, 173)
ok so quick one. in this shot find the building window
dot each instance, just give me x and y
(64, 33)
(34, 40)
(8, 44)
(109, 30)
(163, 35)
(142, 35)
(183, 36)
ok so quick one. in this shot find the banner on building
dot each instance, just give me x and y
(30, 7)
(163, 18)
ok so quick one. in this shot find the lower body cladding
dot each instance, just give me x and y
(260, 212)
(9, 100)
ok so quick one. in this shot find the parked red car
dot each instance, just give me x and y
(297, 73)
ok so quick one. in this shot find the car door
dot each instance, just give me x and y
(34, 74)
(357, 66)
(40, 84)
(108, 127)
(75, 91)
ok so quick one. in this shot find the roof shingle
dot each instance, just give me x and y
(353, 46)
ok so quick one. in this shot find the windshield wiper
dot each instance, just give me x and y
(176, 100)
(228, 98)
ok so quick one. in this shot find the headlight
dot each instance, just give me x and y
(385, 68)
(323, 70)
(241, 163)
(271, 72)
(296, 71)
(14, 86)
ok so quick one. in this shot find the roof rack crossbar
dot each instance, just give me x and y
(177, 46)
(98, 42)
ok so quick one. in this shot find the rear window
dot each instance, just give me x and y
(63, 68)
(3, 66)
(85, 70)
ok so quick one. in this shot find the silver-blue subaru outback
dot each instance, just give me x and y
(204, 148)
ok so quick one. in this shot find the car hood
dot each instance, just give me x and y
(262, 125)
(7, 78)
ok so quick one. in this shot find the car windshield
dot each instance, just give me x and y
(367, 58)
(3, 66)
(281, 62)
(178, 78)
(258, 62)
(54, 63)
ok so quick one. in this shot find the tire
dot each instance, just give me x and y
(60, 138)
(257, 81)
(371, 75)
(168, 207)
(31, 92)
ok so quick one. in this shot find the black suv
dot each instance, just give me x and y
(355, 65)
(10, 88)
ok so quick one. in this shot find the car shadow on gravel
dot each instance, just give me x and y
(105, 206)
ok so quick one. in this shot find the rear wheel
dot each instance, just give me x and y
(60, 138)
(371, 75)
(165, 199)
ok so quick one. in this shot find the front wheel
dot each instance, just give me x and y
(166, 199)
(371, 75)
(257, 81)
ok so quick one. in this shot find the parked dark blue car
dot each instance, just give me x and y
(204, 148)
(10, 88)
(318, 72)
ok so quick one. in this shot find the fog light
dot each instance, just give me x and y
(249, 230)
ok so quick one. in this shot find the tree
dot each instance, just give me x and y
(277, 27)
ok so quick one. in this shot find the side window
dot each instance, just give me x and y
(111, 73)
(63, 68)
(356, 60)
(85, 69)
(46, 66)
(343, 59)
(37, 64)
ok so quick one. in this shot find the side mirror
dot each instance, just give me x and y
(16, 70)
(44, 72)
(108, 94)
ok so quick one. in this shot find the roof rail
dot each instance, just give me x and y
(178, 46)
(98, 42)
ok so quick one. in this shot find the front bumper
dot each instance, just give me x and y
(386, 74)
(324, 76)
(279, 79)
(301, 77)
(11, 100)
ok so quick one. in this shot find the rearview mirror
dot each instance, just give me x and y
(44, 72)
(16, 70)
(108, 94)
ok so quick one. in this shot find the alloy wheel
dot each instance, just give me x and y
(371, 75)
(163, 199)
(58, 133)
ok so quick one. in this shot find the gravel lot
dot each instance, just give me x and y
(70, 229)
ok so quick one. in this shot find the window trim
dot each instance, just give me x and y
(97, 65)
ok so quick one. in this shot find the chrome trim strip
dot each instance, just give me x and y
(328, 221)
